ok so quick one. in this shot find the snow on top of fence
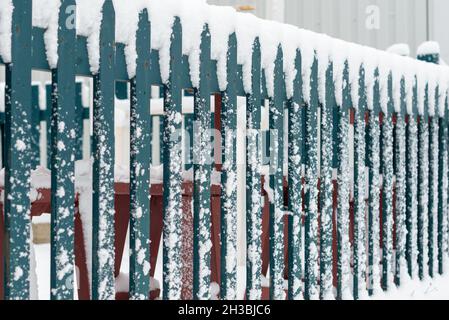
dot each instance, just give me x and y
(401, 49)
(222, 22)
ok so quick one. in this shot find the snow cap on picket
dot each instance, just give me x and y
(339, 56)
(428, 47)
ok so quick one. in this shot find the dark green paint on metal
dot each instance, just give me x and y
(277, 209)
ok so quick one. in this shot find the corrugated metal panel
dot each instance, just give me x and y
(401, 21)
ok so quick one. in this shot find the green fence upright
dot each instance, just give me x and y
(442, 181)
(103, 280)
(343, 193)
(35, 127)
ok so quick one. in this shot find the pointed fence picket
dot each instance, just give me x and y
(396, 221)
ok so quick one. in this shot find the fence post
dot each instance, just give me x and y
(140, 161)
(359, 281)
(400, 166)
(202, 152)
(172, 163)
(387, 185)
(295, 202)
(63, 160)
(18, 155)
(103, 281)
(228, 176)
(253, 180)
(277, 209)
(373, 158)
(343, 245)
(311, 194)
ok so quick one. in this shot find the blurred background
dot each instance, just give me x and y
(376, 23)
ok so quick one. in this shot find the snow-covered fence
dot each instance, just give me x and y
(387, 214)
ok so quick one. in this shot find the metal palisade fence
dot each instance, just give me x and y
(330, 223)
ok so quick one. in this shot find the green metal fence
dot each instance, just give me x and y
(393, 145)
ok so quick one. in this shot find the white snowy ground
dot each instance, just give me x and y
(430, 289)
